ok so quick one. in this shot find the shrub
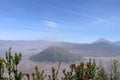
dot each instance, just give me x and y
(1, 68)
(115, 70)
(38, 75)
(83, 71)
(101, 74)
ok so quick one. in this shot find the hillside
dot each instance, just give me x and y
(55, 54)
(99, 48)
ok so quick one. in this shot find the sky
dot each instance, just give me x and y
(78, 21)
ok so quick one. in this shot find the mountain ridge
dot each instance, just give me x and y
(55, 54)
(101, 48)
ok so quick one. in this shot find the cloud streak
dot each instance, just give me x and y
(49, 23)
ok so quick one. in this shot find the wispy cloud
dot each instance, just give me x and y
(75, 12)
(95, 24)
(98, 22)
(51, 24)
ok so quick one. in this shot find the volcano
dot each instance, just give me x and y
(55, 54)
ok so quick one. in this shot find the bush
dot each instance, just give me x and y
(83, 71)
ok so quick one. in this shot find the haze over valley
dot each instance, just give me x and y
(98, 48)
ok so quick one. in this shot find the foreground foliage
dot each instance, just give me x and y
(83, 71)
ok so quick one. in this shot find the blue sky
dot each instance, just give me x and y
(60, 20)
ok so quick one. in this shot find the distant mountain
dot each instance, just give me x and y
(102, 40)
(55, 54)
(116, 43)
(99, 48)
(23, 45)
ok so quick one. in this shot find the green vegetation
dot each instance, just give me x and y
(83, 71)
